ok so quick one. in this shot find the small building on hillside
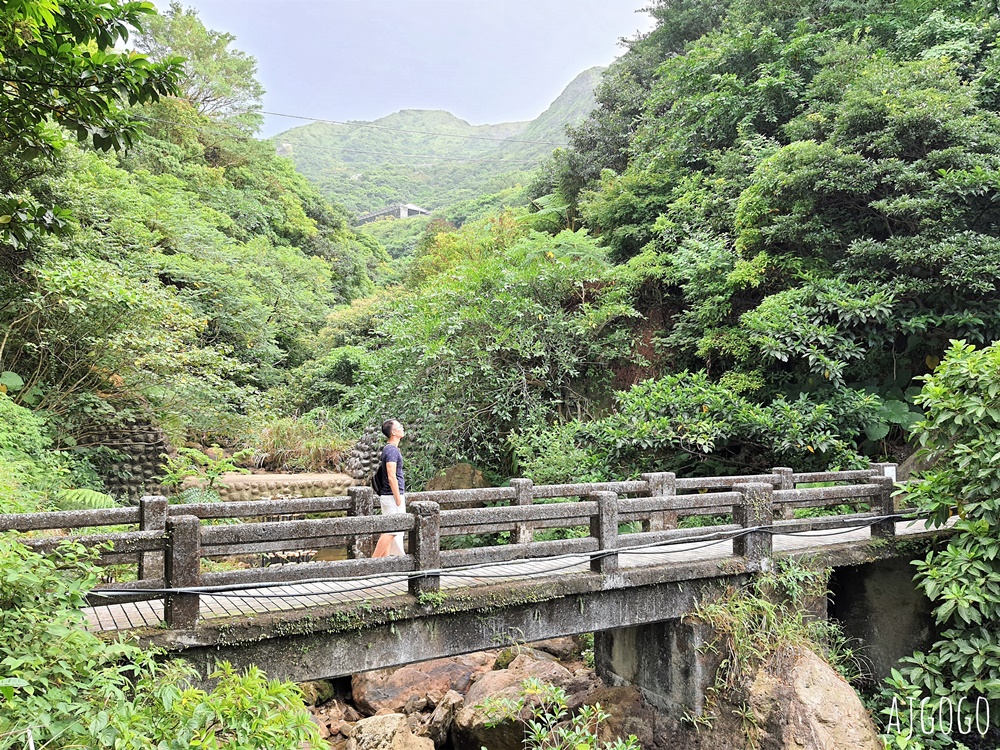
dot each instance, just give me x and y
(398, 211)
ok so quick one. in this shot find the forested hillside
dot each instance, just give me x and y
(430, 157)
(767, 231)
(787, 213)
(755, 253)
(183, 278)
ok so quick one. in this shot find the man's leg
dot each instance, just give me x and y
(384, 546)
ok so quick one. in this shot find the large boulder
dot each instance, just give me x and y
(317, 692)
(565, 649)
(418, 687)
(798, 702)
(810, 707)
(386, 732)
(472, 724)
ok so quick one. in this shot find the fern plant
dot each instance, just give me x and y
(197, 495)
(83, 499)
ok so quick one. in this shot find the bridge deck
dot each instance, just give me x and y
(303, 595)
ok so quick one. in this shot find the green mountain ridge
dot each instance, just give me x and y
(414, 156)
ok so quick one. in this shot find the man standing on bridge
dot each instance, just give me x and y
(391, 487)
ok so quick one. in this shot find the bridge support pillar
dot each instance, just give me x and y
(879, 605)
(667, 661)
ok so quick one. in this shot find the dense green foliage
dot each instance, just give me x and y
(190, 275)
(58, 60)
(759, 241)
(34, 476)
(196, 271)
(805, 195)
(502, 330)
(399, 237)
(59, 67)
(70, 688)
(673, 423)
(772, 223)
(430, 158)
(799, 202)
(961, 432)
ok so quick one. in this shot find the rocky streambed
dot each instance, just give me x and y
(438, 704)
(800, 703)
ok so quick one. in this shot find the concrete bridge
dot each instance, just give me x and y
(626, 572)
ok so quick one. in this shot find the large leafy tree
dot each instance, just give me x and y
(58, 63)
(221, 82)
(59, 67)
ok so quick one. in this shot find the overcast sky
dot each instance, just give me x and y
(486, 61)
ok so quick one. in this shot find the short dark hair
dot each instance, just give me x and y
(387, 427)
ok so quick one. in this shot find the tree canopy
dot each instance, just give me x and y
(190, 274)
(60, 72)
(58, 64)
(221, 82)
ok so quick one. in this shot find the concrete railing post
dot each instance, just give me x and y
(753, 510)
(783, 475)
(524, 532)
(886, 470)
(661, 484)
(362, 504)
(182, 569)
(604, 527)
(152, 517)
(425, 546)
(884, 505)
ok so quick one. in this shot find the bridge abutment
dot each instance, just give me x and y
(669, 662)
(879, 605)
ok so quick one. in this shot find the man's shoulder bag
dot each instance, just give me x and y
(380, 480)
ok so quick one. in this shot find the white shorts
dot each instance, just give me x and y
(388, 503)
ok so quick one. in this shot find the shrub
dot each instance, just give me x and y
(961, 432)
(70, 688)
(192, 463)
(32, 476)
(548, 724)
(687, 423)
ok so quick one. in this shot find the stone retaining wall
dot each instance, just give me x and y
(256, 486)
(135, 474)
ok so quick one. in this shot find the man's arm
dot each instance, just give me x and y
(390, 473)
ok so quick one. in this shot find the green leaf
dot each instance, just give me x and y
(876, 430)
(11, 380)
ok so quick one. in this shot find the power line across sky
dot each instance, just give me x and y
(338, 149)
(384, 154)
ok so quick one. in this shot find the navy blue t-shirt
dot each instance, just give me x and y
(389, 454)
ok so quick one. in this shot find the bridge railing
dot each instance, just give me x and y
(172, 541)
